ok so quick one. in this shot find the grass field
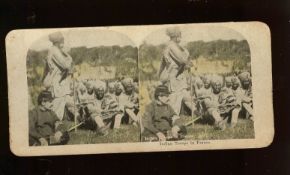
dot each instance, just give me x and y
(243, 130)
(129, 133)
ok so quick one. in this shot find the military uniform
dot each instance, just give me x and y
(56, 75)
(173, 71)
(228, 82)
(41, 125)
(159, 117)
(218, 104)
(44, 123)
(129, 101)
(246, 95)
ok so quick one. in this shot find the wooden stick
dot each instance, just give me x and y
(75, 116)
(75, 126)
(192, 121)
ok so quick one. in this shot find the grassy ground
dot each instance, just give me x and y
(243, 130)
(129, 133)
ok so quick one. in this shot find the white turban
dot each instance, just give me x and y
(56, 37)
(173, 32)
(99, 85)
(216, 79)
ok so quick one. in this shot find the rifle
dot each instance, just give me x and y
(193, 91)
(65, 136)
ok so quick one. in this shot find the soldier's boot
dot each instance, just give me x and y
(103, 129)
(220, 124)
(117, 122)
(133, 116)
(99, 121)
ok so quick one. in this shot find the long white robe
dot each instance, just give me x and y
(58, 63)
(173, 56)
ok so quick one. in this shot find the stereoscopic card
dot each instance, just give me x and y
(180, 87)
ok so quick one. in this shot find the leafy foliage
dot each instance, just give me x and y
(123, 58)
(238, 51)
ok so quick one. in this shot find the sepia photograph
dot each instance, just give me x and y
(196, 84)
(83, 88)
(147, 88)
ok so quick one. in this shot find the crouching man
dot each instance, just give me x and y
(92, 112)
(44, 125)
(159, 120)
(220, 105)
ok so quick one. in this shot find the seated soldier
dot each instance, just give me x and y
(119, 89)
(196, 89)
(81, 92)
(44, 124)
(111, 89)
(92, 108)
(229, 107)
(198, 83)
(246, 86)
(129, 102)
(237, 90)
(228, 82)
(207, 82)
(220, 105)
(160, 122)
(114, 91)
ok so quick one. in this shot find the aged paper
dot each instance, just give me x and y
(140, 88)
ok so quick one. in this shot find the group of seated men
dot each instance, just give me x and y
(100, 105)
(95, 104)
(216, 99)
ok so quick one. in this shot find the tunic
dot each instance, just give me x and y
(58, 64)
(174, 56)
(171, 71)
(56, 78)
(41, 124)
(158, 118)
(127, 101)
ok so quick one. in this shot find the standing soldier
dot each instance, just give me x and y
(160, 120)
(56, 76)
(173, 69)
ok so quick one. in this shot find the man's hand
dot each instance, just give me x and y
(58, 136)
(175, 131)
(43, 142)
(129, 105)
(174, 118)
(161, 136)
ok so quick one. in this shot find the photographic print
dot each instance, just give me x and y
(140, 88)
(83, 88)
(196, 84)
